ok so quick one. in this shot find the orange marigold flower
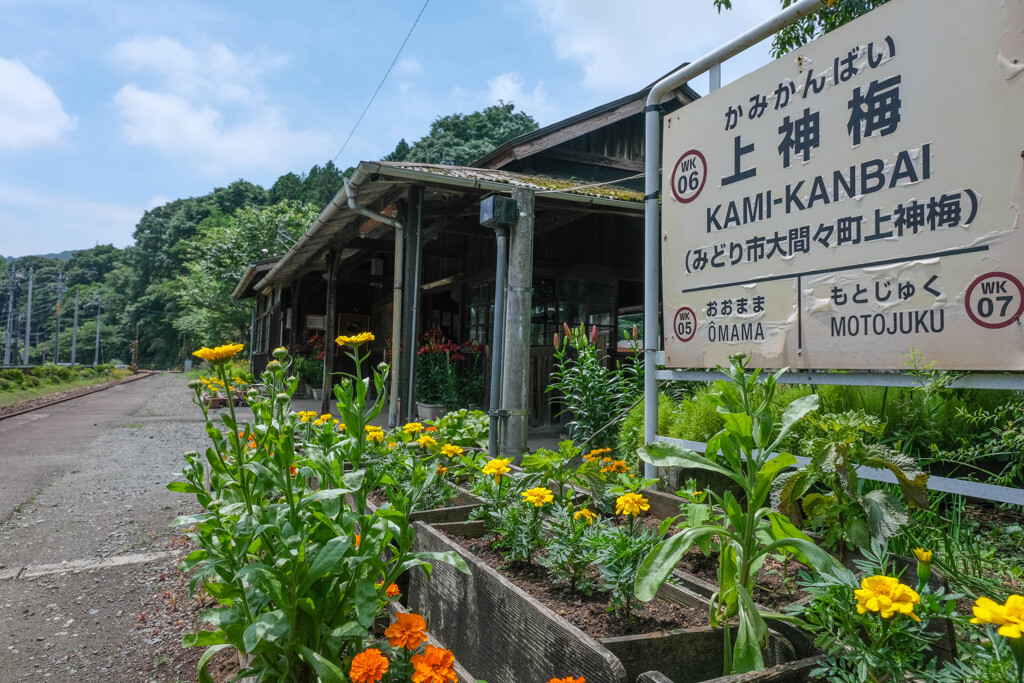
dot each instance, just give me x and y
(441, 469)
(568, 679)
(293, 470)
(408, 631)
(392, 591)
(435, 665)
(369, 666)
(357, 540)
(430, 428)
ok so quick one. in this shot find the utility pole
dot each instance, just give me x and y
(60, 285)
(10, 314)
(99, 305)
(28, 314)
(74, 331)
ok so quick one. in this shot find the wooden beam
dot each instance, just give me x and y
(595, 159)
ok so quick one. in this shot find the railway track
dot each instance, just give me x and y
(78, 394)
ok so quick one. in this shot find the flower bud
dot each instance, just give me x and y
(195, 384)
(282, 397)
(636, 334)
(568, 332)
(558, 343)
(273, 366)
(924, 565)
(593, 334)
(280, 353)
(252, 393)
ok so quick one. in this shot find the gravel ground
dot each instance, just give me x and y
(89, 588)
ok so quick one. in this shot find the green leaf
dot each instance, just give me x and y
(183, 487)
(750, 636)
(366, 601)
(794, 412)
(886, 513)
(662, 454)
(449, 556)
(766, 475)
(814, 556)
(268, 626)
(914, 485)
(203, 638)
(741, 427)
(326, 670)
(782, 529)
(330, 556)
(190, 519)
(268, 581)
(663, 558)
(204, 675)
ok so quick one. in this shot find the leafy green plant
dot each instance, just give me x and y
(309, 370)
(595, 396)
(866, 643)
(744, 453)
(563, 468)
(619, 552)
(570, 548)
(298, 573)
(437, 375)
(517, 531)
(469, 428)
(847, 516)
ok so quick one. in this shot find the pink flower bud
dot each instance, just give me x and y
(558, 342)
(593, 334)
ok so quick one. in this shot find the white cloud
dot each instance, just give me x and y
(31, 114)
(35, 221)
(409, 66)
(621, 50)
(509, 87)
(209, 106)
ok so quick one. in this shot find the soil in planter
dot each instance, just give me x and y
(587, 613)
(770, 589)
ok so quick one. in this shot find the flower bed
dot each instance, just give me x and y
(505, 635)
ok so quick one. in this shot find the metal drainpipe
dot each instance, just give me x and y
(415, 294)
(396, 321)
(498, 346)
(652, 182)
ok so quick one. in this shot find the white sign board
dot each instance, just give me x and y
(855, 199)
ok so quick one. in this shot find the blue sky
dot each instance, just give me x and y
(111, 107)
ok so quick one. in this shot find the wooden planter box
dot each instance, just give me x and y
(791, 672)
(504, 635)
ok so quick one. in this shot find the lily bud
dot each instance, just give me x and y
(636, 334)
(558, 343)
(593, 334)
(568, 332)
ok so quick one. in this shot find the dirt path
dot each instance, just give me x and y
(88, 585)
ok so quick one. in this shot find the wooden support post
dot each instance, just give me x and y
(516, 364)
(410, 302)
(329, 326)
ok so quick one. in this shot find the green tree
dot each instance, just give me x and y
(401, 152)
(218, 256)
(461, 139)
(807, 29)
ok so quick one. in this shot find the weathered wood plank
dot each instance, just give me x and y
(496, 630)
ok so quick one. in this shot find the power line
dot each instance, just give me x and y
(381, 84)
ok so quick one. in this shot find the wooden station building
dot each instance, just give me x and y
(411, 232)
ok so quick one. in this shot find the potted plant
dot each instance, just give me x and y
(437, 376)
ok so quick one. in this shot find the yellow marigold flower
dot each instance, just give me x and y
(408, 631)
(1009, 617)
(369, 666)
(393, 445)
(923, 555)
(357, 340)
(596, 454)
(887, 596)
(377, 437)
(539, 496)
(451, 450)
(218, 355)
(617, 467)
(631, 504)
(435, 665)
(373, 428)
(497, 467)
(585, 515)
(412, 428)
(426, 441)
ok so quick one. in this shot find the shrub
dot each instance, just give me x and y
(13, 376)
(5, 385)
(32, 381)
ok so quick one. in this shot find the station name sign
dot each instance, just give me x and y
(855, 199)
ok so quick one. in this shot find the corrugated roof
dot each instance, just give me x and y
(372, 180)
